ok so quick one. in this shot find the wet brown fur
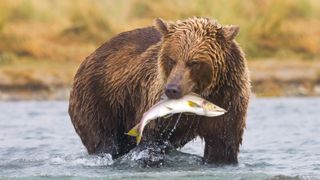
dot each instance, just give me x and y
(116, 84)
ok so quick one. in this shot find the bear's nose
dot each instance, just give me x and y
(173, 91)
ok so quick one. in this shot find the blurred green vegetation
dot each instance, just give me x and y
(69, 30)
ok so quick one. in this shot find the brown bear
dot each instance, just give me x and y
(124, 77)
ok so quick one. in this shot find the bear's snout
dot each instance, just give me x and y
(173, 91)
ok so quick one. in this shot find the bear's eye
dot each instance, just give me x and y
(170, 62)
(194, 64)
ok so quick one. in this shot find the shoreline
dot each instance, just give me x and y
(269, 78)
(260, 88)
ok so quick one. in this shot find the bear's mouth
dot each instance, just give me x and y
(175, 91)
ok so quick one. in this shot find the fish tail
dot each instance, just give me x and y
(134, 131)
(138, 138)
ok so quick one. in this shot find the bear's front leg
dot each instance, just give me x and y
(222, 138)
(218, 151)
(223, 134)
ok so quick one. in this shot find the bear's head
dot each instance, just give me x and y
(193, 54)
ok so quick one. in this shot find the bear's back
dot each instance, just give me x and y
(106, 63)
(132, 42)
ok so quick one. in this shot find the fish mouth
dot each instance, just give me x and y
(219, 109)
(217, 113)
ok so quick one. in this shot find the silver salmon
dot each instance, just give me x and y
(190, 103)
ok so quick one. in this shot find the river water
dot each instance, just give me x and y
(282, 141)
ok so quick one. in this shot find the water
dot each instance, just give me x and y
(282, 140)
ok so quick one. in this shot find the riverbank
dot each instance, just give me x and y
(47, 80)
(271, 77)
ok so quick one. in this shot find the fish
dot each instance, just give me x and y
(191, 103)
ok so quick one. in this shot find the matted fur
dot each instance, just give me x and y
(123, 78)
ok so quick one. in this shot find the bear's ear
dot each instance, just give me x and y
(230, 32)
(162, 26)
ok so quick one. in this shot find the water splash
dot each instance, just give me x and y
(148, 154)
(174, 127)
(82, 160)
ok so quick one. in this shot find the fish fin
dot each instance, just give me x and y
(193, 104)
(134, 131)
(167, 116)
(188, 113)
(195, 94)
(170, 109)
(163, 97)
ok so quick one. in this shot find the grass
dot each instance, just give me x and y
(70, 30)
